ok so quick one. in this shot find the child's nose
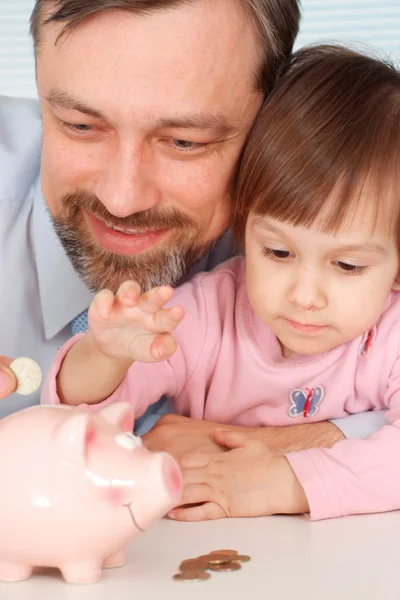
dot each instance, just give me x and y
(308, 291)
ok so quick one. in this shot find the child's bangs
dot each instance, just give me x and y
(367, 190)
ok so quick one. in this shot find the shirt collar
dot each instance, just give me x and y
(63, 296)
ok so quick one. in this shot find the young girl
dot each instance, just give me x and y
(305, 328)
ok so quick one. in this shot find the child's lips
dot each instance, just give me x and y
(306, 328)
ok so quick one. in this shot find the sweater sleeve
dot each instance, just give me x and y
(145, 383)
(355, 476)
(142, 386)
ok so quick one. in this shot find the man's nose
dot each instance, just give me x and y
(307, 290)
(125, 185)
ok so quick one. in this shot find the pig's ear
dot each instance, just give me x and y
(120, 414)
(74, 436)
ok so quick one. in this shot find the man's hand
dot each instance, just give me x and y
(247, 481)
(8, 381)
(182, 435)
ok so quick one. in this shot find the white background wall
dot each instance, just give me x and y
(373, 22)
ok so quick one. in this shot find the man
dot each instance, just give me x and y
(144, 108)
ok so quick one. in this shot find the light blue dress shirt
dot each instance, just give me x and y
(40, 292)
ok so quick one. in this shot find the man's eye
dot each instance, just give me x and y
(276, 254)
(77, 127)
(350, 269)
(185, 145)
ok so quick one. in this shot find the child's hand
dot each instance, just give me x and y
(247, 481)
(134, 326)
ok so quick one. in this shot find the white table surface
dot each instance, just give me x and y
(292, 558)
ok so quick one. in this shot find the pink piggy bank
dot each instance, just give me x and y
(76, 488)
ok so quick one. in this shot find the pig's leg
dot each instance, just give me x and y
(82, 572)
(115, 560)
(12, 572)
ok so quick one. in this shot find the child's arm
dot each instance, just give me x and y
(123, 328)
(352, 477)
(87, 376)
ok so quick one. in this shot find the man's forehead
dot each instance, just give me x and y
(202, 30)
(120, 58)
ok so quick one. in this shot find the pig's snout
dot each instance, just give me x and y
(172, 478)
(159, 489)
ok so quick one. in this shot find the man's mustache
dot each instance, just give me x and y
(146, 219)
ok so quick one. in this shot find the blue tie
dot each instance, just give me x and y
(80, 323)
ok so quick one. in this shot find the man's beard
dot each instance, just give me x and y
(166, 264)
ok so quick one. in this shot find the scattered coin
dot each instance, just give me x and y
(215, 559)
(193, 564)
(230, 552)
(195, 569)
(192, 576)
(240, 558)
(28, 374)
(231, 566)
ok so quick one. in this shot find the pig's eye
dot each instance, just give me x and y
(128, 441)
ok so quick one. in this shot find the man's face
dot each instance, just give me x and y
(144, 118)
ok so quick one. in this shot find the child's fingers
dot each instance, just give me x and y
(153, 300)
(167, 319)
(230, 439)
(196, 493)
(163, 346)
(193, 461)
(205, 512)
(128, 294)
(206, 475)
(102, 304)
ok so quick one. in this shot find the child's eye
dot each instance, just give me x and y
(350, 269)
(276, 254)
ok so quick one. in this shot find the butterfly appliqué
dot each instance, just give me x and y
(305, 401)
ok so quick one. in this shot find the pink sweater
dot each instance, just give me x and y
(229, 368)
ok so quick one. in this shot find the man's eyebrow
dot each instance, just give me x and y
(207, 121)
(63, 100)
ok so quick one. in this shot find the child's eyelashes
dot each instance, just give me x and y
(342, 267)
(350, 269)
(276, 254)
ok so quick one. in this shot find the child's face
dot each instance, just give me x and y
(314, 290)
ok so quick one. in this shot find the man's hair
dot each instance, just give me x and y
(325, 142)
(276, 23)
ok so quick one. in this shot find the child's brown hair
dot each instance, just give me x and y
(331, 125)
